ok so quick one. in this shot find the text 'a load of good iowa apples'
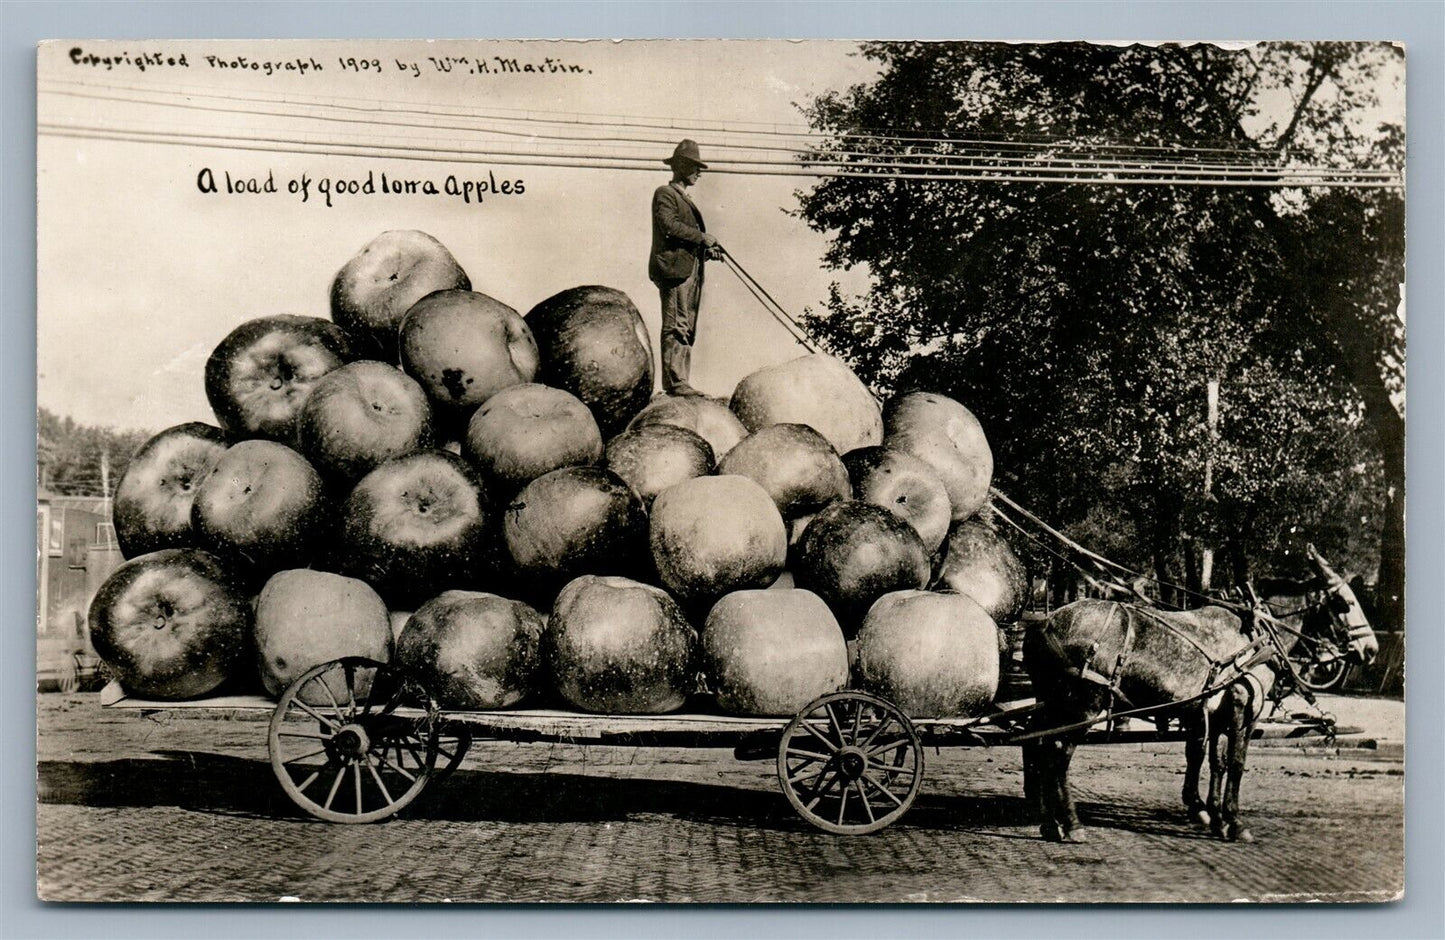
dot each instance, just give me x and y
(502, 504)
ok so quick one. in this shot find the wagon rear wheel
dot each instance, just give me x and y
(1323, 676)
(354, 740)
(850, 763)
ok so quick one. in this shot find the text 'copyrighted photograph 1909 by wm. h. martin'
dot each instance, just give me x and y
(846, 472)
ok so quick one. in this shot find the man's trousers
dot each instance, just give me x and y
(679, 330)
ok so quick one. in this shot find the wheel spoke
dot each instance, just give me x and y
(805, 757)
(356, 766)
(820, 791)
(292, 760)
(314, 713)
(419, 761)
(301, 787)
(808, 726)
(881, 788)
(857, 718)
(401, 770)
(335, 785)
(890, 769)
(884, 721)
(804, 777)
(843, 805)
(334, 704)
(304, 734)
(890, 746)
(863, 795)
(393, 700)
(377, 777)
(833, 721)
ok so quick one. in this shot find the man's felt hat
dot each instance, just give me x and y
(686, 152)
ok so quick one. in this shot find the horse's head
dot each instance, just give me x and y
(1352, 627)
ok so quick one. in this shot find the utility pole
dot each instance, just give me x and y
(1206, 561)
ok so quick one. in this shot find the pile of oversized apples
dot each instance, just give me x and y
(500, 503)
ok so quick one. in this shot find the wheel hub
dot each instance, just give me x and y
(852, 762)
(351, 741)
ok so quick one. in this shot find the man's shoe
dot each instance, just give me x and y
(686, 391)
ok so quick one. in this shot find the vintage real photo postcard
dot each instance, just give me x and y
(702, 471)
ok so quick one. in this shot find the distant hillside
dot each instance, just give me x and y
(69, 455)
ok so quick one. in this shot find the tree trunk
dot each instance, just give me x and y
(1390, 583)
(1193, 579)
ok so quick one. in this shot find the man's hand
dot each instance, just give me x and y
(708, 241)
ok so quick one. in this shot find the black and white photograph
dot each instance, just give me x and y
(701, 471)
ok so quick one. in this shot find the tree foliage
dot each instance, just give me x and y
(1083, 322)
(71, 454)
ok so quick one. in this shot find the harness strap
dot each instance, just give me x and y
(1125, 651)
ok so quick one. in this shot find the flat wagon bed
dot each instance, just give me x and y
(353, 741)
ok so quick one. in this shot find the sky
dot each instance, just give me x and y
(141, 274)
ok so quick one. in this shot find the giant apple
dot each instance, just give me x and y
(260, 375)
(853, 552)
(305, 618)
(527, 430)
(414, 527)
(710, 418)
(655, 456)
(263, 504)
(464, 347)
(817, 390)
(946, 436)
(800, 470)
(716, 534)
(934, 655)
(618, 646)
(575, 521)
(152, 508)
(980, 563)
(905, 486)
(360, 416)
(372, 292)
(594, 345)
(473, 650)
(172, 624)
(773, 651)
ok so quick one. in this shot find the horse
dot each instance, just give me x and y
(1210, 667)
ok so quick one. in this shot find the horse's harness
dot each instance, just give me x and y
(1262, 646)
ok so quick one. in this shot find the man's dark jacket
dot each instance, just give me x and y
(677, 229)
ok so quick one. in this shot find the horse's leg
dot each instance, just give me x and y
(1066, 816)
(1241, 725)
(1196, 726)
(1033, 789)
(1214, 724)
(1050, 788)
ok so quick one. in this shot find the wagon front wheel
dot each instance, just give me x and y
(354, 740)
(850, 763)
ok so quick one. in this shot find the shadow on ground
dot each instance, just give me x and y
(225, 785)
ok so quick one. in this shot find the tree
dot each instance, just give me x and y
(70, 454)
(1081, 323)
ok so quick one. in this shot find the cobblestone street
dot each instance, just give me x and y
(177, 806)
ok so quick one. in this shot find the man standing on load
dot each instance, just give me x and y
(680, 246)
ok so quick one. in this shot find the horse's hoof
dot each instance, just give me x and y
(1075, 837)
(1243, 835)
(1201, 818)
(1050, 833)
